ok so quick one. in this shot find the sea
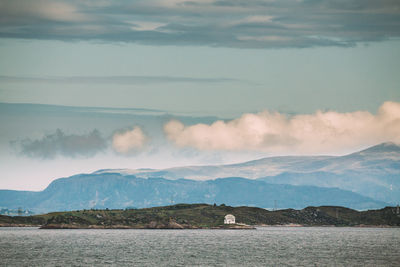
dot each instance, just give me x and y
(265, 246)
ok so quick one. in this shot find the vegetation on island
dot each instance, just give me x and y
(199, 216)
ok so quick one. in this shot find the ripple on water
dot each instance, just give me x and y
(264, 246)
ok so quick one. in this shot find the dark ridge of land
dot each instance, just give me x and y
(204, 216)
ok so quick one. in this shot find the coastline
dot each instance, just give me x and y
(148, 227)
(204, 216)
(249, 227)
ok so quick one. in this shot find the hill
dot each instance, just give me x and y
(207, 216)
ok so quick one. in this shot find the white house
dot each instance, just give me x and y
(229, 219)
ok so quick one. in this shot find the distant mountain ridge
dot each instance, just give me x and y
(373, 172)
(113, 190)
(363, 180)
(388, 147)
(276, 165)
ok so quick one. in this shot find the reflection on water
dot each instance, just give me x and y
(265, 246)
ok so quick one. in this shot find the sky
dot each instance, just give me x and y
(161, 83)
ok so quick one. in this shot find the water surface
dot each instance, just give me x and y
(271, 246)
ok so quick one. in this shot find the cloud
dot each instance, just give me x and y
(61, 144)
(321, 132)
(222, 23)
(112, 79)
(129, 141)
(18, 12)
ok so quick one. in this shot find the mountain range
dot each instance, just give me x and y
(373, 172)
(362, 180)
(116, 191)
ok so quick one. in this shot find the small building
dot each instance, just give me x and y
(229, 219)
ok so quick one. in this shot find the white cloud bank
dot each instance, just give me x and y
(321, 132)
(129, 141)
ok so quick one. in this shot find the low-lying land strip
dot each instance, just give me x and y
(204, 216)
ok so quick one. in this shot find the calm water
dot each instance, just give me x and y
(261, 247)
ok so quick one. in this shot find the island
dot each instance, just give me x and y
(205, 216)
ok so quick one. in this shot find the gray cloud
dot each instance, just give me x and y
(112, 79)
(61, 144)
(233, 23)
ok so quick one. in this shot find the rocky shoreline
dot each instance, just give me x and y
(174, 227)
(151, 225)
(18, 225)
